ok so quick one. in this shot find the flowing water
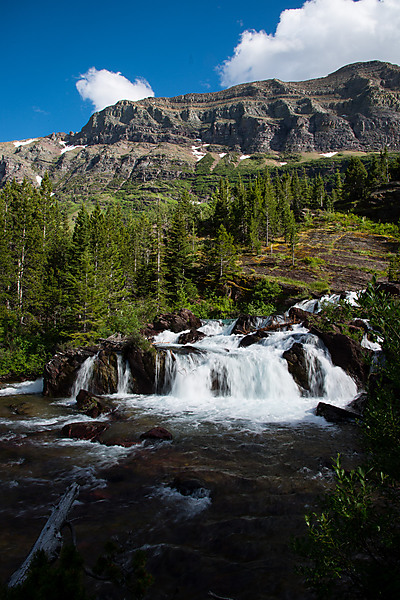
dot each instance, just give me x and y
(215, 509)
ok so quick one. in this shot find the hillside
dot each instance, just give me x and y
(157, 147)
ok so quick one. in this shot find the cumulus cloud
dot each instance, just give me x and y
(104, 88)
(317, 39)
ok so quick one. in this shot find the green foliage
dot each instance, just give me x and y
(130, 575)
(354, 543)
(264, 299)
(46, 581)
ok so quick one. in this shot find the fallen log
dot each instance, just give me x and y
(49, 540)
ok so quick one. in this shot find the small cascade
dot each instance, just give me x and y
(84, 376)
(124, 376)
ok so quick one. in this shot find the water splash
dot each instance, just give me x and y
(84, 376)
(124, 376)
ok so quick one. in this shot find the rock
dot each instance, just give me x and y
(359, 403)
(90, 405)
(297, 365)
(177, 321)
(60, 372)
(191, 336)
(105, 373)
(142, 364)
(245, 324)
(249, 340)
(220, 382)
(189, 487)
(298, 315)
(333, 414)
(157, 434)
(346, 353)
(84, 431)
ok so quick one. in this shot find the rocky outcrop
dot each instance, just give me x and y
(345, 353)
(177, 321)
(333, 414)
(355, 108)
(90, 405)
(194, 335)
(297, 365)
(60, 372)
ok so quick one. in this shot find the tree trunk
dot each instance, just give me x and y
(49, 540)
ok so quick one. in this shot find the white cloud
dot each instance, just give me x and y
(317, 39)
(104, 88)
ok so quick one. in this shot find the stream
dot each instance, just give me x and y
(216, 508)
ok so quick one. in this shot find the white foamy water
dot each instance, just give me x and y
(217, 381)
(25, 387)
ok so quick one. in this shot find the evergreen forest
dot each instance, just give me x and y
(68, 282)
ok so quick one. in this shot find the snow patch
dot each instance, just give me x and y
(199, 152)
(39, 179)
(283, 164)
(222, 154)
(328, 154)
(25, 142)
(244, 156)
(69, 148)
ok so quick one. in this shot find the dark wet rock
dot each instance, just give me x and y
(346, 353)
(297, 365)
(21, 409)
(105, 373)
(142, 364)
(389, 288)
(84, 431)
(220, 382)
(249, 340)
(191, 336)
(91, 405)
(186, 350)
(245, 324)
(177, 321)
(189, 486)
(333, 414)
(359, 403)
(157, 434)
(60, 372)
(298, 315)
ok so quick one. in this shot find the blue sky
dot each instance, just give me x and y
(179, 47)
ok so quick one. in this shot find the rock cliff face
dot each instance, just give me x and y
(356, 108)
(133, 145)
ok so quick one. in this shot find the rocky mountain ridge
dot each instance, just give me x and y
(147, 146)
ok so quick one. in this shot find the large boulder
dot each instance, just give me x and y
(105, 373)
(177, 321)
(346, 353)
(60, 372)
(142, 364)
(297, 365)
(90, 405)
(191, 336)
(84, 431)
(334, 414)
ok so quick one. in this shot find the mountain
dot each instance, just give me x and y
(150, 146)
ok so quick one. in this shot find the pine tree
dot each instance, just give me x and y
(223, 256)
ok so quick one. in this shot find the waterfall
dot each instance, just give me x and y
(124, 376)
(84, 376)
(218, 378)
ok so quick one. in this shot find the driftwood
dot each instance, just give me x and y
(49, 540)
